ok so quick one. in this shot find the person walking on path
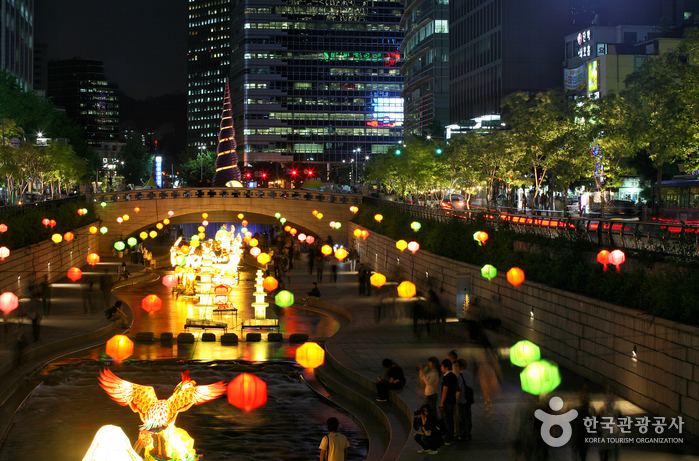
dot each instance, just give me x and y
(430, 439)
(489, 375)
(333, 269)
(448, 400)
(20, 343)
(311, 260)
(334, 446)
(139, 253)
(45, 290)
(463, 421)
(88, 304)
(34, 315)
(429, 380)
(320, 265)
(393, 379)
(353, 258)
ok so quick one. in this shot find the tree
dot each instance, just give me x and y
(137, 164)
(191, 170)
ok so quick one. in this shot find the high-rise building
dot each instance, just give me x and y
(17, 39)
(41, 68)
(311, 80)
(81, 88)
(425, 68)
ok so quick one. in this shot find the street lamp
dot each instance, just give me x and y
(201, 162)
(356, 152)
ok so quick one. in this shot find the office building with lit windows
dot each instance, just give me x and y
(425, 51)
(311, 80)
(17, 40)
(80, 87)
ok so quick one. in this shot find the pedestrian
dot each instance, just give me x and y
(453, 357)
(88, 304)
(393, 379)
(353, 258)
(367, 279)
(430, 439)
(489, 375)
(429, 380)
(447, 403)
(20, 343)
(311, 260)
(362, 275)
(609, 448)
(139, 253)
(45, 290)
(313, 295)
(320, 265)
(334, 446)
(463, 421)
(333, 269)
(34, 315)
(105, 288)
(123, 272)
(586, 412)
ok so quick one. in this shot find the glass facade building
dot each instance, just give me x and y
(311, 80)
(17, 40)
(425, 50)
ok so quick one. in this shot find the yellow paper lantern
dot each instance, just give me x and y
(357, 233)
(378, 280)
(126, 217)
(310, 355)
(314, 212)
(205, 215)
(201, 229)
(241, 215)
(378, 217)
(93, 229)
(159, 226)
(401, 245)
(166, 221)
(152, 234)
(57, 238)
(201, 235)
(326, 250)
(341, 254)
(254, 242)
(406, 290)
(319, 216)
(263, 258)
(143, 235)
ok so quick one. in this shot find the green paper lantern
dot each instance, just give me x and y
(84, 211)
(338, 225)
(524, 352)
(415, 226)
(244, 230)
(132, 241)
(119, 246)
(284, 298)
(277, 215)
(540, 377)
(103, 230)
(195, 237)
(489, 272)
(103, 204)
(181, 260)
(282, 220)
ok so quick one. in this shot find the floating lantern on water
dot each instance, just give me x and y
(169, 280)
(143, 235)
(378, 217)
(603, 258)
(326, 250)
(119, 347)
(45, 222)
(120, 220)
(378, 280)
(68, 236)
(104, 230)
(119, 246)
(132, 241)
(270, 283)
(310, 239)
(617, 257)
(75, 274)
(136, 210)
(151, 303)
(263, 258)
(515, 276)
(413, 247)
(3, 228)
(406, 289)
(354, 209)
(523, 353)
(171, 213)
(255, 251)
(57, 238)
(159, 226)
(4, 253)
(310, 355)
(489, 271)
(8, 302)
(415, 226)
(481, 237)
(341, 254)
(93, 229)
(284, 298)
(93, 259)
(247, 392)
(540, 377)
(401, 245)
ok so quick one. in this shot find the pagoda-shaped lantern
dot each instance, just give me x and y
(260, 305)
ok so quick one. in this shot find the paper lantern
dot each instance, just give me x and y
(185, 248)
(354, 209)
(52, 223)
(263, 258)
(284, 298)
(119, 246)
(126, 217)
(247, 238)
(103, 204)
(159, 226)
(205, 215)
(143, 235)
(152, 234)
(120, 220)
(205, 223)
(378, 217)
(201, 228)
(302, 237)
(603, 258)
(270, 283)
(45, 222)
(241, 215)
(166, 222)
(415, 226)
(57, 238)
(119, 347)
(282, 220)
(84, 211)
(515, 276)
(378, 280)
(293, 231)
(319, 216)
(540, 377)
(4, 253)
(244, 222)
(180, 260)
(93, 229)
(310, 355)
(338, 225)
(151, 303)
(406, 289)
(68, 236)
(326, 250)
(93, 258)
(254, 242)
(8, 302)
(277, 215)
(314, 212)
(287, 228)
(171, 213)
(243, 230)
(103, 230)
(523, 353)
(136, 210)
(195, 242)
(341, 254)
(332, 224)
(481, 237)
(80, 212)
(617, 257)
(131, 241)
(489, 272)
(365, 234)
(75, 274)
(247, 392)
(413, 247)
(221, 290)
(310, 239)
(169, 280)
(3, 228)
(255, 251)
(357, 233)
(401, 245)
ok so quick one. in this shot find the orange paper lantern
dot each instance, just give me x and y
(365, 234)
(406, 290)
(244, 222)
(8, 302)
(603, 258)
(287, 228)
(119, 347)
(270, 283)
(151, 303)
(4, 253)
(378, 280)
(310, 355)
(68, 236)
(247, 392)
(52, 223)
(75, 274)
(357, 233)
(254, 242)
(293, 231)
(166, 221)
(326, 250)
(136, 210)
(169, 280)
(314, 212)
(81, 212)
(93, 258)
(93, 229)
(515, 276)
(159, 226)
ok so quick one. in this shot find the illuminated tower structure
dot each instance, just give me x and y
(226, 166)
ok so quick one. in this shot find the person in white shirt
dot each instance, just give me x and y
(430, 379)
(333, 447)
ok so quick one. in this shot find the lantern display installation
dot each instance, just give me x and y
(515, 276)
(523, 353)
(119, 246)
(406, 290)
(270, 283)
(4, 253)
(169, 280)
(357, 233)
(365, 234)
(136, 210)
(119, 347)
(401, 245)
(93, 229)
(247, 392)
(603, 258)
(341, 254)
(57, 238)
(93, 258)
(3, 228)
(132, 241)
(378, 217)
(617, 257)
(378, 280)
(489, 272)
(143, 235)
(310, 355)
(120, 220)
(263, 258)
(284, 298)
(480, 237)
(415, 226)
(255, 251)
(310, 239)
(103, 230)
(45, 222)
(326, 250)
(8, 302)
(68, 236)
(151, 303)
(540, 377)
(354, 209)
(413, 247)
(302, 237)
(75, 274)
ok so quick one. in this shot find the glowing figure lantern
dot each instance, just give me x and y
(247, 392)
(284, 298)
(169, 280)
(310, 239)
(4, 253)
(481, 237)
(302, 237)
(171, 213)
(523, 353)
(241, 215)
(270, 283)
(357, 233)
(68, 236)
(120, 220)
(354, 209)
(159, 226)
(93, 229)
(75, 274)
(151, 303)
(8, 302)
(57, 238)
(136, 210)
(152, 234)
(143, 235)
(603, 258)
(93, 258)
(119, 347)
(3, 228)
(401, 245)
(341, 254)
(413, 247)
(378, 217)
(132, 241)
(45, 222)
(110, 443)
(119, 246)
(617, 257)
(489, 272)
(515, 276)
(103, 230)
(255, 251)
(263, 258)
(310, 355)
(540, 377)
(326, 250)
(415, 226)
(260, 305)
(406, 289)
(378, 280)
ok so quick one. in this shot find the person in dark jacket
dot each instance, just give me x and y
(430, 440)
(393, 379)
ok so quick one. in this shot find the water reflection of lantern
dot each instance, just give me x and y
(247, 392)
(284, 298)
(119, 347)
(310, 355)
(143, 235)
(3, 228)
(326, 250)
(159, 226)
(241, 215)
(8, 302)
(270, 283)
(93, 258)
(481, 237)
(603, 258)
(254, 242)
(45, 222)
(378, 280)
(151, 303)
(255, 251)
(170, 213)
(75, 274)
(540, 377)
(310, 239)
(617, 257)
(341, 254)
(401, 245)
(302, 237)
(132, 241)
(136, 210)
(120, 220)
(93, 229)
(152, 234)
(119, 246)
(489, 272)
(523, 353)
(413, 247)
(515, 276)
(263, 258)
(4, 253)
(57, 238)
(378, 217)
(406, 289)
(166, 222)
(169, 280)
(365, 234)
(354, 209)
(415, 226)
(68, 236)
(357, 233)
(104, 230)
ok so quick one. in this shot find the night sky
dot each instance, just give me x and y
(143, 43)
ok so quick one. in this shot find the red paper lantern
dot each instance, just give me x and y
(221, 290)
(119, 347)
(310, 239)
(481, 237)
(3, 228)
(151, 303)
(68, 236)
(93, 258)
(413, 247)
(136, 210)
(247, 392)
(603, 258)
(515, 276)
(4, 253)
(52, 223)
(270, 283)
(617, 257)
(75, 274)
(81, 212)
(244, 223)
(8, 302)
(169, 280)
(45, 222)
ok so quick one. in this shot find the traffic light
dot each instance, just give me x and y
(293, 173)
(248, 175)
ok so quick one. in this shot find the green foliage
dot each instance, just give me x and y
(191, 169)
(138, 165)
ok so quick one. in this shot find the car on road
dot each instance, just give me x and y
(453, 202)
(621, 208)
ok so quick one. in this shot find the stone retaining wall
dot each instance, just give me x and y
(592, 338)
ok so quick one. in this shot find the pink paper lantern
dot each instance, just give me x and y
(169, 280)
(8, 302)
